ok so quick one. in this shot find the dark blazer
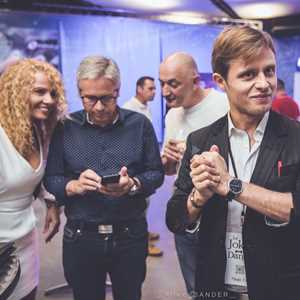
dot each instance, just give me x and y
(272, 254)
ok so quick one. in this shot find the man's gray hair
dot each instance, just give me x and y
(94, 67)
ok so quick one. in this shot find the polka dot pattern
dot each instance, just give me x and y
(78, 145)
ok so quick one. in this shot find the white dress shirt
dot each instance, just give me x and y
(136, 105)
(245, 157)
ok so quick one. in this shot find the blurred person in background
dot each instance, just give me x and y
(8, 54)
(285, 104)
(145, 92)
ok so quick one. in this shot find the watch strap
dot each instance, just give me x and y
(230, 195)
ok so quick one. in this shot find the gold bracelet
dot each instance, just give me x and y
(193, 202)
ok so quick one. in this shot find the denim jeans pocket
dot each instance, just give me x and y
(137, 230)
(193, 237)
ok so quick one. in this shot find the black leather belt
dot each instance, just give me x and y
(98, 228)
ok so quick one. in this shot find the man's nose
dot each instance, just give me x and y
(262, 82)
(165, 90)
(99, 105)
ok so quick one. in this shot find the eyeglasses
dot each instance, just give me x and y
(105, 99)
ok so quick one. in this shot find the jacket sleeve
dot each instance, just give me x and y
(293, 158)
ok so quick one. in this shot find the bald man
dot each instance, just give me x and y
(192, 107)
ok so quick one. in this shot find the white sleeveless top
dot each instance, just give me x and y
(18, 181)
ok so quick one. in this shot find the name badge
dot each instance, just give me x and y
(235, 267)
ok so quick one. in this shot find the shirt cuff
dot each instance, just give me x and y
(194, 226)
(296, 203)
(59, 189)
(274, 223)
(145, 188)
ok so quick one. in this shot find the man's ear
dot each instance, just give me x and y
(219, 80)
(196, 79)
(139, 89)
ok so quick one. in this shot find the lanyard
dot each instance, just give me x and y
(236, 175)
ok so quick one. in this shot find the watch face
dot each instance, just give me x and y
(235, 186)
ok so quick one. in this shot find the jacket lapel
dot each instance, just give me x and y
(220, 137)
(271, 147)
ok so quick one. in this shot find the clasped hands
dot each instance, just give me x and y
(209, 175)
(89, 180)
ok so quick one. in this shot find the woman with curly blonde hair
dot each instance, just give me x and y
(32, 101)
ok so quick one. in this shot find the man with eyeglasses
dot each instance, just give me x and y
(103, 162)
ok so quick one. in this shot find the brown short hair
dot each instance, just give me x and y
(238, 42)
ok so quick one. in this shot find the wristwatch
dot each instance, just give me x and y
(134, 189)
(192, 199)
(235, 187)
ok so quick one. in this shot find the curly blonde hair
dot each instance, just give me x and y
(16, 86)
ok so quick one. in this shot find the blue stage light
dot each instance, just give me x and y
(298, 64)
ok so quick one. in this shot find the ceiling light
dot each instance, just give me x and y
(263, 10)
(151, 4)
(184, 18)
(298, 64)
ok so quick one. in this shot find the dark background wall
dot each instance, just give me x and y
(288, 52)
(137, 46)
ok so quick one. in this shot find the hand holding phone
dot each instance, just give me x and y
(116, 185)
(108, 179)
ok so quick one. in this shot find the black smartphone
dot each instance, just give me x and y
(113, 178)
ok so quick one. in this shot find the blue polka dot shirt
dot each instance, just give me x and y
(77, 145)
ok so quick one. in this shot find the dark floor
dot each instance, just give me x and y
(163, 281)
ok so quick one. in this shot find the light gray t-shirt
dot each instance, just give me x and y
(180, 122)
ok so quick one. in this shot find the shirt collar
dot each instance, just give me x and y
(259, 131)
(139, 103)
(119, 118)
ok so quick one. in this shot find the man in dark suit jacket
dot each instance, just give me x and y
(240, 176)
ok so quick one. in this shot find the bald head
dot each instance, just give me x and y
(181, 61)
(179, 78)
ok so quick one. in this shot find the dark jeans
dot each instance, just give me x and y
(187, 247)
(89, 256)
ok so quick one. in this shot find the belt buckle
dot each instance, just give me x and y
(105, 229)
